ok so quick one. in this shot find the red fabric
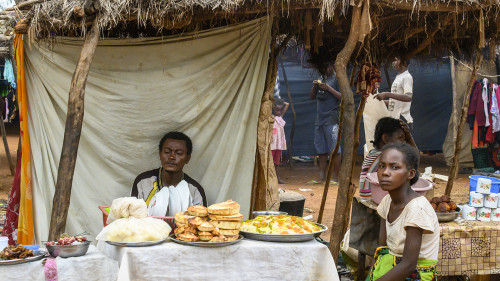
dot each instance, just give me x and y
(276, 156)
(12, 215)
(490, 137)
(476, 107)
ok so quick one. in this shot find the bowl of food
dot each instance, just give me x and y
(67, 247)
(446, 210)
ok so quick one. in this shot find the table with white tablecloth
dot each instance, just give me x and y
(246, 260)
(92, 266)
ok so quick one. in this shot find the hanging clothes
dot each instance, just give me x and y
(475, 111)
(490, 137)
(495, 109)
(368, 77)
(8, 73)
(485, 101)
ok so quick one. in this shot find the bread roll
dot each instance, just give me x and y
(195, 222)
(182, 217)
(232, 237)
(206, 226)
(205, 236)
(227, 224)
(198, 211)
(237, 217)
(178, 224)
(220, 238)
(188, 237)
(179, 230)
(229, 232)
(225, 208)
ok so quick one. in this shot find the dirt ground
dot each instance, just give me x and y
(5, 176)
(296, 178)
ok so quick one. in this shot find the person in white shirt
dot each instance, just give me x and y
(401, 93)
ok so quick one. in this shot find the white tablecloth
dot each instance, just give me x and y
(93, 266)
(246, 260)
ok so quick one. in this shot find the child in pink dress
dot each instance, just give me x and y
(279, 141)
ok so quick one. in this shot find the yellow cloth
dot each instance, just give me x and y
(25, 224)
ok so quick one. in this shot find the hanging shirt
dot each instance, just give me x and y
(279, 140)
(495, 114)
(485, 101)
(327, 104)
(403, 85)
(8, 73)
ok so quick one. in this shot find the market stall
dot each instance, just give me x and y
(246, 260)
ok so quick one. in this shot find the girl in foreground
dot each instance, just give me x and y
(409, 229)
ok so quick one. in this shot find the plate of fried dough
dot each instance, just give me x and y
(215, 226)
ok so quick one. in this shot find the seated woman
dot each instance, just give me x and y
(387, 130)
(180, 190)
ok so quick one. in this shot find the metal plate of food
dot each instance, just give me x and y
(68, 251)
(447, 217)
(285, 237)
(136, 244)
(37, 255)
(206, 244)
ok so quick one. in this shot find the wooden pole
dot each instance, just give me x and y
(72, 132)
(463, 117)
(455, 98)
(6, 145)
(341, 207)
(294, 115)
(330, 165)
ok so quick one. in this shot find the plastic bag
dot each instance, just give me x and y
(135, 230)
(125, 207)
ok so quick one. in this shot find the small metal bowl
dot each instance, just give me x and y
(67, 251)
(268, 213)
(447, 217)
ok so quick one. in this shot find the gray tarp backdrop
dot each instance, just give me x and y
(431, 107)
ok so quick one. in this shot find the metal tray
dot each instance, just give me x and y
(447, 217)
(37, 255)
(136, 244)
(285, 237)
(206, 244)
(68, 251)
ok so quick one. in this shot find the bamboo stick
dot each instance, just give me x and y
(341, 208)
(330, 166)
(463, 117)
(72, 132)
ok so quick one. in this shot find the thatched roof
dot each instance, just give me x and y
(432, 27)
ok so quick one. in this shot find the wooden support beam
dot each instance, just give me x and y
(6, 146)
(72, 132)
(435, 7)
(26, 5)
(341, 207)
(430, 36)
(463, 117)
(330, 165)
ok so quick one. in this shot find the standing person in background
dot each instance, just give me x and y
(279, 141)
(327, 122)
(401, 93)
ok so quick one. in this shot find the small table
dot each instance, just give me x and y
(92, 266)
(246, 260)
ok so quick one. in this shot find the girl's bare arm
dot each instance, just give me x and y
(410, 256)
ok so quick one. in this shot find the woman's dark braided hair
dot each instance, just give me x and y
(386, 125)
(410, 156)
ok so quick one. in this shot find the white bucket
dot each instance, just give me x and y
(4, 242)
(469, 213)
(483, 186)
(484, 214)
(491, 200)
(476, 199)
(495, 214)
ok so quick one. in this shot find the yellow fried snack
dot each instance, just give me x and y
(282, 224)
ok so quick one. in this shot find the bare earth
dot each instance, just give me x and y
(5, 176)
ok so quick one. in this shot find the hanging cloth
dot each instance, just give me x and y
(485, 101)
(490, 137)
(25, 224)
(495, 114)
(8, 73)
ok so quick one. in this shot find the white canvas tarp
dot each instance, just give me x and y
(208, 85)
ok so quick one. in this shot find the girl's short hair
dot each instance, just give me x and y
(386, 125)
(279, 102)
(410, 157)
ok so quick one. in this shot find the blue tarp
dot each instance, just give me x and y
(431, 105)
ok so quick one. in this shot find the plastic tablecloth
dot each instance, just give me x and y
(246, 260)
